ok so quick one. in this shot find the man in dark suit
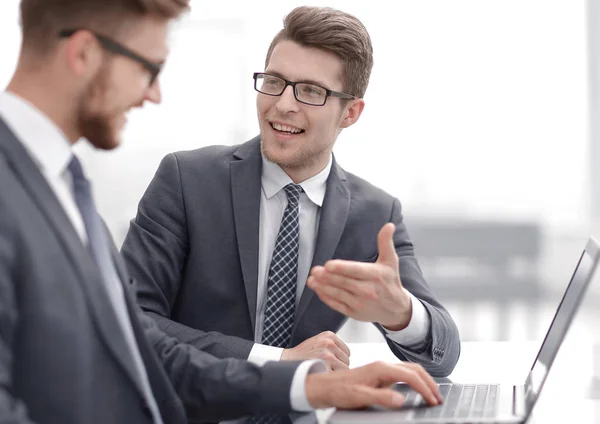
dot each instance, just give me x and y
(74, 346)
(231, 244)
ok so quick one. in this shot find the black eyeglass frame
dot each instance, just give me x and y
(117, 48)
(328, 92)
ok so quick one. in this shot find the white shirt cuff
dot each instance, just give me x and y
(417, 329)
(298, 398)
(259, 354)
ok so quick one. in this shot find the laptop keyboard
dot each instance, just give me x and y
(460, 401)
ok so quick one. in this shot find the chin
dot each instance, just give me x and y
(105, 141)
(103, 134)
(284, 158)
(272, 150)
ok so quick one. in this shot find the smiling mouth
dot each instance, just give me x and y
(286, 129)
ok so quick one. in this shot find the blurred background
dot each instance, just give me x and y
(481, 117)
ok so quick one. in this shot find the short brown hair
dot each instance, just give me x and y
(336, 32)
(41, 20)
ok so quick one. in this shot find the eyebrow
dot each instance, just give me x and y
(308, 81)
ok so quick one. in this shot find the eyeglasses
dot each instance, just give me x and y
(304, 92)
(117, 48)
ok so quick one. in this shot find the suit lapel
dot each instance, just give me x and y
(331, 226)
(245, 192)
(89, 275)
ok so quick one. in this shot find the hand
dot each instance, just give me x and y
(369, 385)
(370, 292)
(326, 346)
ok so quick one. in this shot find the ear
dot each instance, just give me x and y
(83, 54)
(352, 112)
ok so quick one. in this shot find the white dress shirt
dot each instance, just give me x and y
(273, 201)
(51, 151)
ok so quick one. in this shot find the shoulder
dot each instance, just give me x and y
(210, 160)
(363, 191)
(208, 154)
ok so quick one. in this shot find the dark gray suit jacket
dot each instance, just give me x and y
(63, 359)
(193, 248)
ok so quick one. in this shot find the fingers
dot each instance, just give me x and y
(366, 396)
(335, 357)
(341, 356)
(351, 269)
(352, 300)
(416, 377)
(341, 345)
(334, 363)
(335, 351)
(427, 379)
(334, 304)
(356, 288)
(412, 374)
(385, 245)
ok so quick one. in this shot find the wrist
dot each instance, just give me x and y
(316, 391)
(402, 318)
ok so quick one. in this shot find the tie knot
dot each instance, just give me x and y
(293, 193)
(76, 170)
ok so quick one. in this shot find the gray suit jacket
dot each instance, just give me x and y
(63, 359)
(193, 248)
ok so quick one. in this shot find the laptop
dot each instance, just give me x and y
(487, 403)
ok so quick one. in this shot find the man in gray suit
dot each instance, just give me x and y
(231, 244)
(74, 346)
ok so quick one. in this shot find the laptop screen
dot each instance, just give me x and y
(561, 322)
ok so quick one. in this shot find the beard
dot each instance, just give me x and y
(98, 125)
(298, 160)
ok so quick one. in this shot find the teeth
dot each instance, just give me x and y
(285, 128)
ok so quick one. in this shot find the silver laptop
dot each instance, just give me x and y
(486, 403)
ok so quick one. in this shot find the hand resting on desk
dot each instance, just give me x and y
(325, 346)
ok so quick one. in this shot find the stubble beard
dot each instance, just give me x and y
(96, 125)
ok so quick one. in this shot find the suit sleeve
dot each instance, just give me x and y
(156, 250)
(441, 352)
(215, 389)
(12, 409)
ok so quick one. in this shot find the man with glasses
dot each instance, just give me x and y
(262, 250)
(74, 346)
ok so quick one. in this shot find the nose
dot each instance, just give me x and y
(287, 102)
(153, 93)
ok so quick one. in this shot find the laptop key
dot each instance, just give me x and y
(481, 393)
(466, 401)
(491, 401)
(444, 389)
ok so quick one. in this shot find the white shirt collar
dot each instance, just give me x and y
(274, 179)
(45, 142)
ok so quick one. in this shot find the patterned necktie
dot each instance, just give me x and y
(283, 273)
(281, 288)
(100, 249)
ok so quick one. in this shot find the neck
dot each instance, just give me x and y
(48, 96)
